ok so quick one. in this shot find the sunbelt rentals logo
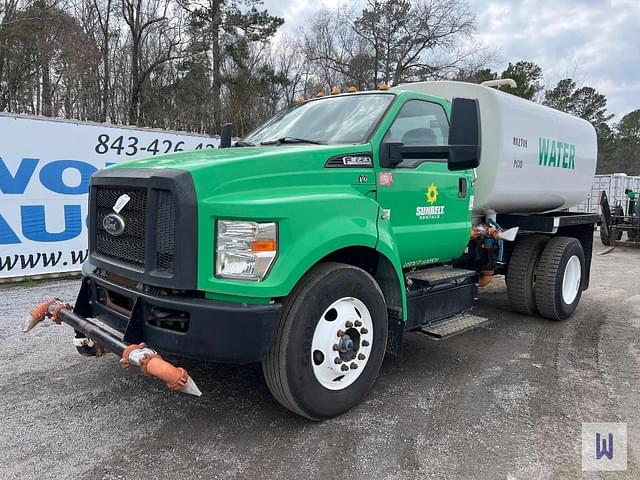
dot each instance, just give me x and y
(554, 153)
(432, 211)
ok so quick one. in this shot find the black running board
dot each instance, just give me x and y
(453, 326)
(439, 294)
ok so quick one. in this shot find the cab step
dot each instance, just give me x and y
(438, 275)
(439, 293)
(453, 326)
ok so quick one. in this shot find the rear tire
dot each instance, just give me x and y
(521, 274)
(605, 233)
(303, 370)
(559, 278)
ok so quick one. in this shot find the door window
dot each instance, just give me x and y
(419, 123)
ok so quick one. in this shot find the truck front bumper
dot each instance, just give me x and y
(181, 325)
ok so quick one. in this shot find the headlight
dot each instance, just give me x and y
(245, 250)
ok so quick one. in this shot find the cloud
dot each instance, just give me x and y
(596, 42)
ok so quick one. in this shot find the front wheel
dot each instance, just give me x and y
(330, 342)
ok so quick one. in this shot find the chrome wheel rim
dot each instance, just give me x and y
(342, 343)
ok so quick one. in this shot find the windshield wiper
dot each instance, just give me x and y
(241, 143)
(291, 140)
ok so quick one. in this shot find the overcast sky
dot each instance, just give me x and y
(596, 42)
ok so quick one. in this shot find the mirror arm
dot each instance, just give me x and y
(391, 154)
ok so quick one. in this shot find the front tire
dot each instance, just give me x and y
(559, 278)
(336, 317)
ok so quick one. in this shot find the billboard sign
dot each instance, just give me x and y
(45, 166)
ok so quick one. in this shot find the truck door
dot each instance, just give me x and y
(427, 205)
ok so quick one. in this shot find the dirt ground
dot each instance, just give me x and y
(506, 400)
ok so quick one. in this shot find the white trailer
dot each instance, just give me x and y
(614, 185)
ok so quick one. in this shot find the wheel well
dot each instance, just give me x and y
(584, 234)
(379, 267)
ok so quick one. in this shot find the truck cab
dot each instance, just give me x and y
(315, 241)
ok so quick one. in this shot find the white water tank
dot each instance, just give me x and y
(533, 158)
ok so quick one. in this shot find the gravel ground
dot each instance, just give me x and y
(504, 401)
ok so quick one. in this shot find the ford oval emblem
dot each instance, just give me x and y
(113, 224)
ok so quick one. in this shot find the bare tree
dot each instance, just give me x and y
(104, 12)
(193, 64)
(394, 41)
(147, 20)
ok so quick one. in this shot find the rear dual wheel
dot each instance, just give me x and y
(546, 276)
(330, 342)
(521, 275)
(560, 277)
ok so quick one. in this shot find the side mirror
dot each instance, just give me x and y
(462, 150)
(225, 135)
(464, 134)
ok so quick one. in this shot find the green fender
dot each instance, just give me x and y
(311, 226)
(387, 247)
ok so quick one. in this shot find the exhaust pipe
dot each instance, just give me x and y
(149, 361)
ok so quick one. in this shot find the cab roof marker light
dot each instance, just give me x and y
(335, 91)
(352, 89)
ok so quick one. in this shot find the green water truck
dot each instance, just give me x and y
(314, 243)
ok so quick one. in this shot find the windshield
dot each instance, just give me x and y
(344, 119)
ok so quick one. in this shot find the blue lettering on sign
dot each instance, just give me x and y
(17, 183)
(51, 176)
(32, 217)
(7, 235)
(34, 225)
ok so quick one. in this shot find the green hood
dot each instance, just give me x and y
(222, 171)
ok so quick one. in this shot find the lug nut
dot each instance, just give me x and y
(336, 347)
(361, 356)
(365, 343)
(358, 323)
(353, 365)
(349, 324)
(340, 333)
(344, 368)
(364, 331)
(337, 361)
